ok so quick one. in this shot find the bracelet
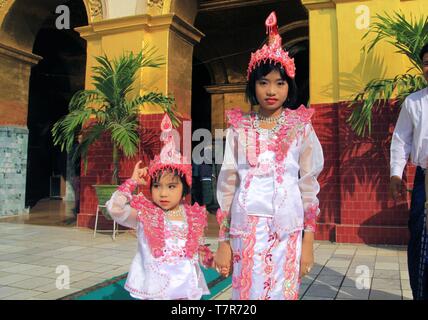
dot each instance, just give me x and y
(128, 187)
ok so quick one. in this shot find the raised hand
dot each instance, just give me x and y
(140, 174)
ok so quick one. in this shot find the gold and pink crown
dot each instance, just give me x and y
(272, 51)
(170, 158)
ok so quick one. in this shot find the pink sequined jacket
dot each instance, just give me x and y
(271, 174)
(129, 210)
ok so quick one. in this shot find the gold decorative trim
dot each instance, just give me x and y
(141, 22)
(3, 3)
(319, 4)
(214, 5)
(155, 3)
(96, 9)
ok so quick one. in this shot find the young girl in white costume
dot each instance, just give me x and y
(267, 188)
(170, 233)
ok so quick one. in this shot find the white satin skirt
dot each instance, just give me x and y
(265, 265)
(182, 279)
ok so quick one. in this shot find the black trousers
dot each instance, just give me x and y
(418, 243)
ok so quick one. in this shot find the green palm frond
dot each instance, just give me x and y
(81, 99)
(377, 95)
(151, 58)
(126, 71)
(408, 37)
(110, 108)
(167, 104)
(125, 136)
(65, 129)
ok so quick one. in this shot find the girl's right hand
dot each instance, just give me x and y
(223, 259)
(140, 174)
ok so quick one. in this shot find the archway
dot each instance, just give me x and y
(59, 61)
(60, 73)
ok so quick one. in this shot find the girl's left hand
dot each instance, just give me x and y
(307, 259)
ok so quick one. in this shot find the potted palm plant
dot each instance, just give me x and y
(109, 109)
(408, 37)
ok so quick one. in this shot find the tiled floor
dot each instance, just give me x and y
(356, 272)
(35, 260)
(47, 212)
(37, 251)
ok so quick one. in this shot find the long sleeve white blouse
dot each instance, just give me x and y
(282, 182)
(410, 135)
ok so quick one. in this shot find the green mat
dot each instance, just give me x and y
(113, 289)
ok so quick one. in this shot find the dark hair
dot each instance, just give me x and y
(423, 51)
(158, 176)
(262, 70)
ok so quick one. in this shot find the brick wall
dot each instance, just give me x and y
(355, 205)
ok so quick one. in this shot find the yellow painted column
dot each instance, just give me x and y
(357, 67)
(170, 35)
(323, 55)
(339, 68)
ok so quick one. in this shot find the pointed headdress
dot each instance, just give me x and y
(272, 51)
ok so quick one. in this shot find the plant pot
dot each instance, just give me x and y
(104, 193)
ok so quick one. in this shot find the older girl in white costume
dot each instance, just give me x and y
(267, 187)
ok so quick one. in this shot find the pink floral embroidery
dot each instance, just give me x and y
(291, 275)
(207, 256)
(236, 282)
(197, 221)
(237, 119)
(234, 117)
(223, 219)
(176, 232)
(165, 278)
(253, 146)
(269, 282)
(294, 126)
(236, 257)
(128, 187)
(311, 217)
(280, 170)
(248, 180)
(247, 259)
(157, 252)
(152, 218)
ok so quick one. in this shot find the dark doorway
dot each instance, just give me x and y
(53, 81)
(201, 118)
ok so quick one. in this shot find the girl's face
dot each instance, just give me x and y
(271, 91)
(167, 192)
